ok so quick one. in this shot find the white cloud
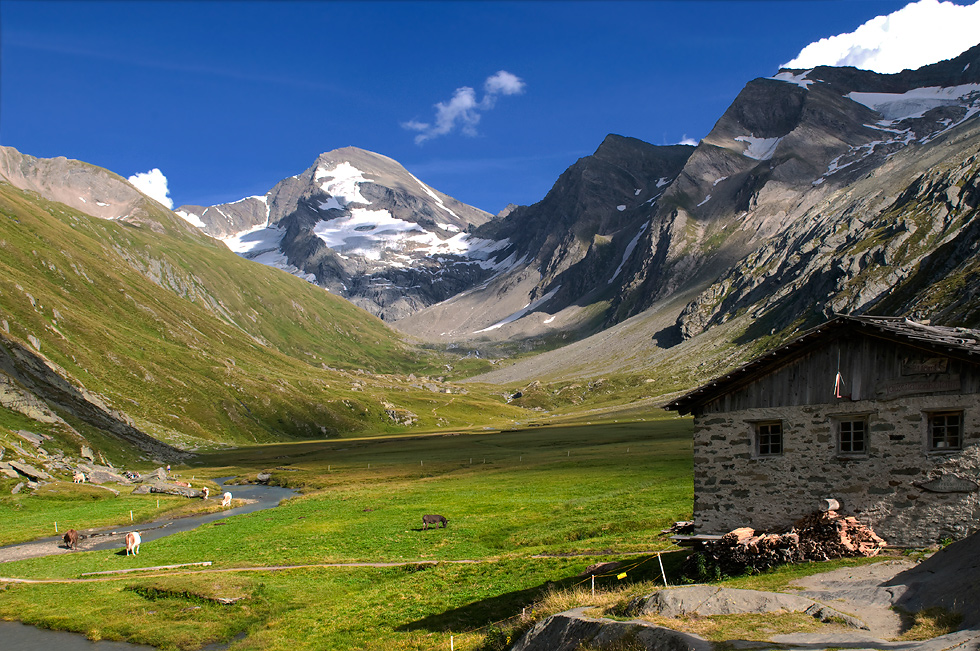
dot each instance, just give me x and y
(154, 185)
(920, 33)
(463, 111)
(688, 141)
(504, 83)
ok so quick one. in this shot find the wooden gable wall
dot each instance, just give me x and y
(871, 367)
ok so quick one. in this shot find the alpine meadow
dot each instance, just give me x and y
(465, 411)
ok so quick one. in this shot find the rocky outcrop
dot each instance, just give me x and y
(564, 253)
(948, 579)
(37, 440)
(574, 629)
(85, 187)
(28, 471)
(35, 376)
(818, 191)
(823, 191)
(167, 489)
(103, 475)
(710, 600)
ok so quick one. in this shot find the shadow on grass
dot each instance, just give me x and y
(484, 612)
(509, 605)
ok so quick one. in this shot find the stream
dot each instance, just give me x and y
(17, 636)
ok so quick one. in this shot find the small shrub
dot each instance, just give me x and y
(496, 639)
(701, 568)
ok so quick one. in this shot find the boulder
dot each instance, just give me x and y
(709, 600)
(35, 439)
(29, 471)
(263, 477)
(158, 474)
(104, 476)
(167, 489)
(7, 470)
(573, 629)
(87, 453)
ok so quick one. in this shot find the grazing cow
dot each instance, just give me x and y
(226, 500)
(71, 539)
(433, 519)
(205, 493)
(79, 478)
(133, 543)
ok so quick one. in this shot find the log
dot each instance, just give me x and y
(818, 536)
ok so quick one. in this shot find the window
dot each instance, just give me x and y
(852, 436)
(945, 430)
(769, 438)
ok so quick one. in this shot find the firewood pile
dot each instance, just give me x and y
(819, 536)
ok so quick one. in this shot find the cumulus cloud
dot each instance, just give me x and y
(918, 34)
(463, 110)
(154, 185)
(504, 83)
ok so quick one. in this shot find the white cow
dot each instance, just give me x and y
(205, 493)
(79, 477)
(133, 543)
(226, 500)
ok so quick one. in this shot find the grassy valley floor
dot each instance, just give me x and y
(530, 510)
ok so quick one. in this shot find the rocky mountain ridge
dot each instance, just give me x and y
(818, 191)
(635, 224)
(814, 169)
(360, 225)
(569, 249)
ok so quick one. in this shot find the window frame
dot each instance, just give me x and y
(941, 446)
(758, 435)
(849, 419)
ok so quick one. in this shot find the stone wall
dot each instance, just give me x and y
(909, 495)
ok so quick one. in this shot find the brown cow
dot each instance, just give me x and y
(133, 543)
(433, 519)
(71, 539)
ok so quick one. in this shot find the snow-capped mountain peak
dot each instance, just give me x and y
(360, 225)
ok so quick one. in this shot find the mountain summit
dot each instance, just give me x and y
(360, 225)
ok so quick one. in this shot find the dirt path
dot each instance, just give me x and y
(121, 574)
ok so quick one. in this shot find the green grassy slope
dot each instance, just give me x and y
(199, 345)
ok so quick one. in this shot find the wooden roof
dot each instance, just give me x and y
(962, 343)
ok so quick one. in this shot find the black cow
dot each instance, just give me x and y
(433, 519)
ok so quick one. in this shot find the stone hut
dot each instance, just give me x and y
(881, 414)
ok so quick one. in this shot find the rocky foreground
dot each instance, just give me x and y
(864, 602)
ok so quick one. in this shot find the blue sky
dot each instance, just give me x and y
(228, 98)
